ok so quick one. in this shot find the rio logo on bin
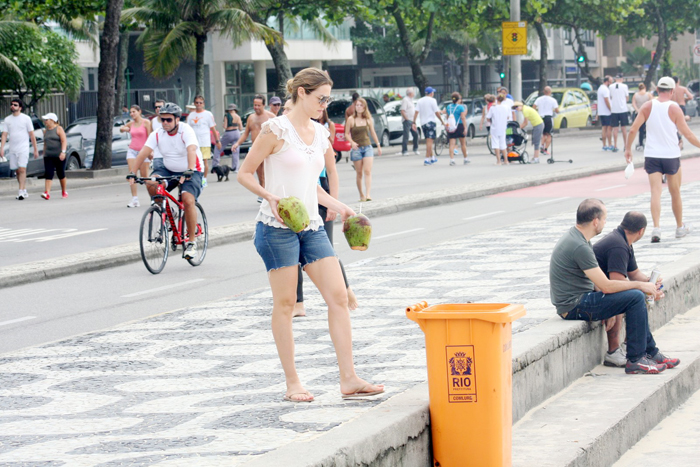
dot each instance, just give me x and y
(461, 373)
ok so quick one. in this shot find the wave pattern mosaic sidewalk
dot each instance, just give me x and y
(203, 385)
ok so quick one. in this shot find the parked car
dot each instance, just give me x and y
(475, 108)
(87, 128)
(395, 123)
(336, 112)
(75, 152)
(574, 107)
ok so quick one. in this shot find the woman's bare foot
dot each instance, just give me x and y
(352, 299)
(299, 310)
(357, 387)
(297, 393)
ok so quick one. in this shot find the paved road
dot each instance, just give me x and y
(97, 217)
(203, 384)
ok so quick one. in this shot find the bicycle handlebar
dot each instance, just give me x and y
(154, 178)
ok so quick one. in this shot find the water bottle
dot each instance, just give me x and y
(655, 274)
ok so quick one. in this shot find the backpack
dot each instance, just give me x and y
(451, 120)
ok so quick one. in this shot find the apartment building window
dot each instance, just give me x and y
(587, 37)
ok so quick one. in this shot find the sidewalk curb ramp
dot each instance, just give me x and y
(548, 361)
(94, 260)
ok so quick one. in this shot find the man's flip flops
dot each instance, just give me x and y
(359, 394)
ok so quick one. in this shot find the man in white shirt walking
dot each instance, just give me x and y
(20, 129)
(662, 156)
(427, 109)
(407, 112)
(620, 115)
(203, 124)
(604, 113)
(546, 106)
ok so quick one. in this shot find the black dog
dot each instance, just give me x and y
(221, 171)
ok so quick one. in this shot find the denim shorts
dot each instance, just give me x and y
(281, 248)
(361, 152)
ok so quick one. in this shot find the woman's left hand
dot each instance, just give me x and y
(62, 156)
(347, 212)
(331, 215)
(379, 150)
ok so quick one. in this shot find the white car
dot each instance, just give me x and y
(393, 117)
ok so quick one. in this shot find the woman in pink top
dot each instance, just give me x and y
(139, 128)
(294, 150)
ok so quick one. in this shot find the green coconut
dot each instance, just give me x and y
(358, 231)
(293, 213)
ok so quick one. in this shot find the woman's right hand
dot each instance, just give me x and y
(274, 202)
(353, 145)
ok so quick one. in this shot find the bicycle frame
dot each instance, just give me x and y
(165, 197)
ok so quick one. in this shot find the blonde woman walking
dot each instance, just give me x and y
(357, 131)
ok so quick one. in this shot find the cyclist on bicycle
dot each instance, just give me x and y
(177, 143)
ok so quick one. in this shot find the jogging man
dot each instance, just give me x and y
(203, 123)
(620, 115)
(252, 127)
(20, 129)
(546, 106)
(580, 290)
(604, 113)
(178, 145)
(427, 109)
(662, 156)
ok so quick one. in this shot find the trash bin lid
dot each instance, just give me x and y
(492, 312)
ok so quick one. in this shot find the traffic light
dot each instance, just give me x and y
(503, 75)
(581, 59)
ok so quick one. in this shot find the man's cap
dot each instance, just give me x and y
(517, 104)
(275, 100)
(50, 116)
(666, 83)
(232, 107)
(619, 76)
(429, 90)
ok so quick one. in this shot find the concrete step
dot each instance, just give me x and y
(674, 441)
(603, 414)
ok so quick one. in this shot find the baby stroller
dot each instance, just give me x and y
(516, 141)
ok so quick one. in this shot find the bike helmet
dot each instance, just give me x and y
(172, 109)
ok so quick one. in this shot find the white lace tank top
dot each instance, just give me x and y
(294, 169)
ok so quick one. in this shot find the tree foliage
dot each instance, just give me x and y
(47, 61)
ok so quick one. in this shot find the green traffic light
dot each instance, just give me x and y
(581, 59)
(503, 75)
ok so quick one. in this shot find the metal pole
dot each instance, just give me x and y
(516, 74)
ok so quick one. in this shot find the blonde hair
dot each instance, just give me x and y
(365, 114)
(310, 79)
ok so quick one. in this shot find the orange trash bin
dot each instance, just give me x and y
(470, 378)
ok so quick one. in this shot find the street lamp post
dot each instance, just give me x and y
(516, 74)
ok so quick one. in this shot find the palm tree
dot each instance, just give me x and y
(176, 30)
(636, 60)
(9, 26)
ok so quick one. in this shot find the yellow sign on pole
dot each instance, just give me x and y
(514, 38)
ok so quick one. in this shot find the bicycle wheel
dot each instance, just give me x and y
(201, 236)
(488, 144)
(440, 143)
(153, 239)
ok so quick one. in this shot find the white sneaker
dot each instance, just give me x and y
(616, 359)
(417, 153)
(191, 250)
(656, 235)
(452, 162)
(433, 160)
(134, 203)
(684, 230)
(20, 195)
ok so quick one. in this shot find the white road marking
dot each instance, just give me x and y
(9, 235)
(18, 320)
(547, 201)
(483, 215)
(165, 287)
(610, 187)
(398, 233)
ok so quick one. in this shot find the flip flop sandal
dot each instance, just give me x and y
(288, 398)
(360, 394)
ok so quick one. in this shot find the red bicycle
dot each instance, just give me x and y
(163, 226)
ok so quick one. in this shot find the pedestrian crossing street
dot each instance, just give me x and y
(40, 235)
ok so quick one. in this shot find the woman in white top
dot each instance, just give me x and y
(294, 149)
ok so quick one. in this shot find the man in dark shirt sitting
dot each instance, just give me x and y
(580, 290)
(615, 256)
